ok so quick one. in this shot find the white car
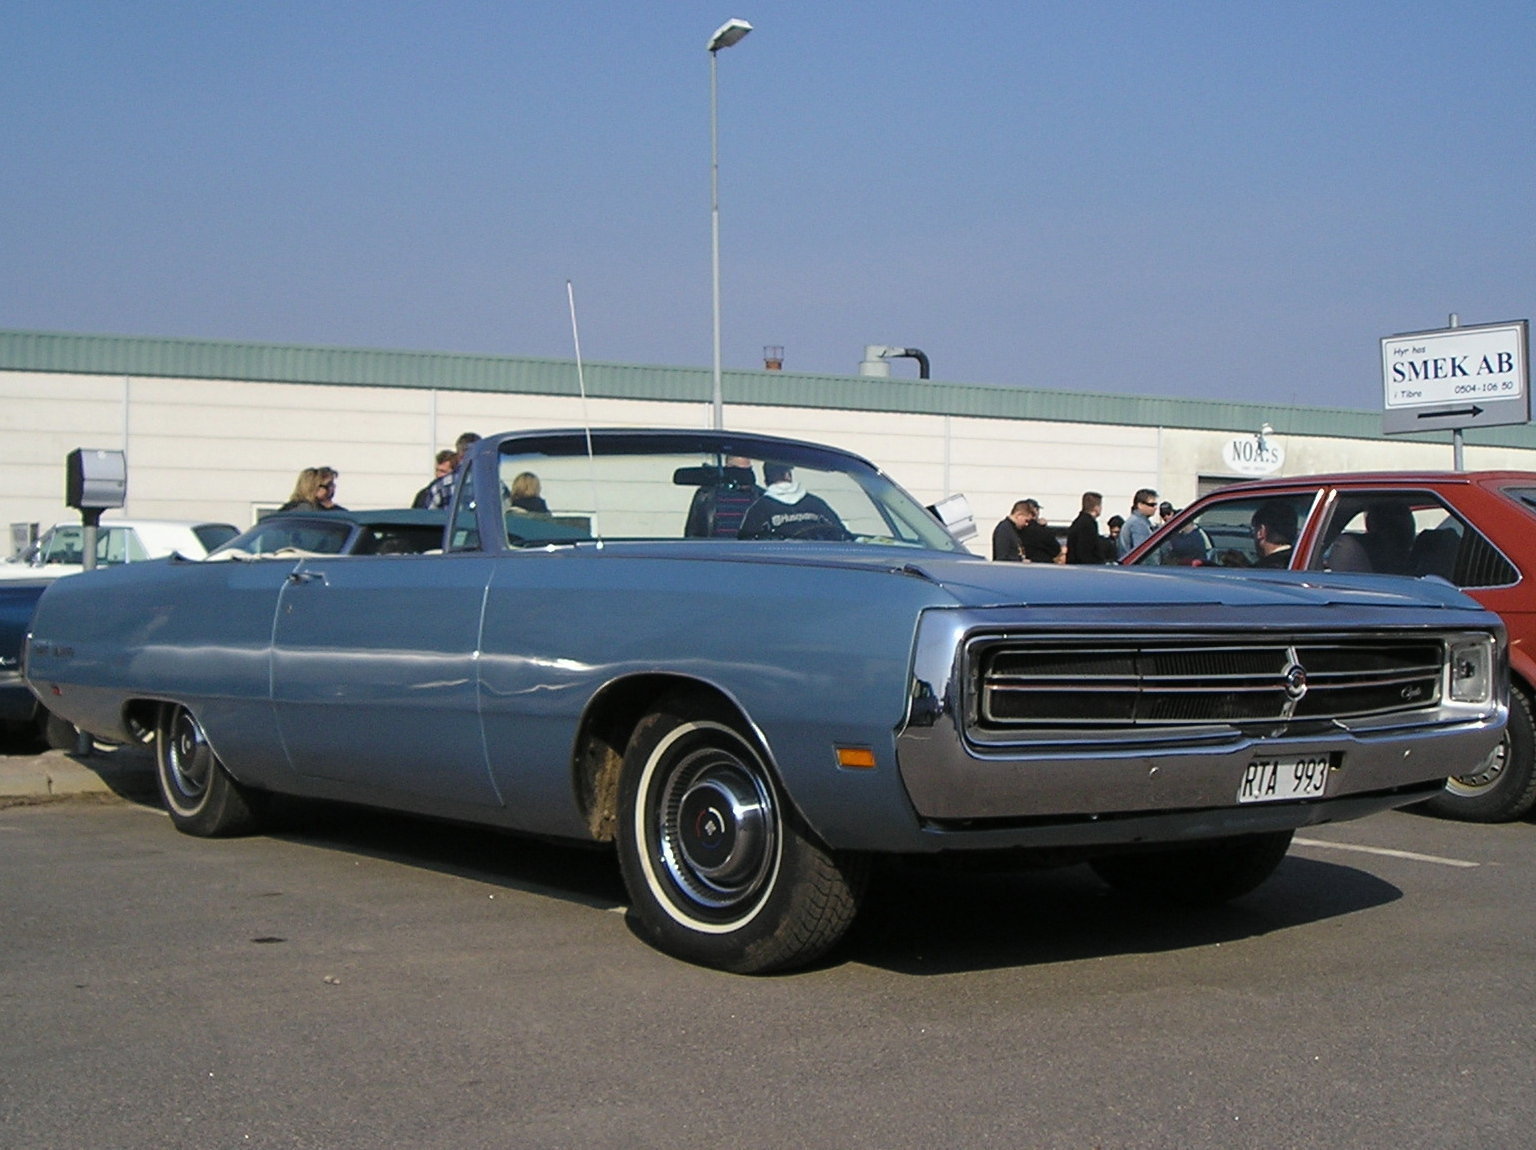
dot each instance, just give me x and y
(61, 549)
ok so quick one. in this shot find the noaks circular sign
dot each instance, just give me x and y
(1253, 455)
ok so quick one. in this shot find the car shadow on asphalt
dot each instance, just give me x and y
(588, 876)
(918, 920)
(128, 772)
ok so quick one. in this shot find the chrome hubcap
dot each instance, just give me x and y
(187, 756)
(716, 829)
(1487, 773)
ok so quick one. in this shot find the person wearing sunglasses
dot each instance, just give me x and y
(314, 490)
(1138, 524)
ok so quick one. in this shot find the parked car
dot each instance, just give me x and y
(1474, 529)
(20, 711)
(751, 664)
(404, 531)
(61, 549)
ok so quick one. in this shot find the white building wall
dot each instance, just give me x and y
(227, 449)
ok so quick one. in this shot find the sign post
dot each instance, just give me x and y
(1456, 377)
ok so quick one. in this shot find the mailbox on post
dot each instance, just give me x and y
(94, 481)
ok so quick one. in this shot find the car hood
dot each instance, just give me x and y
(981, 584)
(974, 582)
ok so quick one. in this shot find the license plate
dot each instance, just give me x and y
(1269, 780)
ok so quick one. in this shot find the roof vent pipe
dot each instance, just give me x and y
(877, 359)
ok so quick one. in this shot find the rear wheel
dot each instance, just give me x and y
(1203, 874)
(720, 870)
(1503, 787)
(199, 793)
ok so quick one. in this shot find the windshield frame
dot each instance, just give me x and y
(891, 518)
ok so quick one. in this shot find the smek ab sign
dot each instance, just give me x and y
(1456, 377)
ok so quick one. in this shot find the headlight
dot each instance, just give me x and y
(1471, 670)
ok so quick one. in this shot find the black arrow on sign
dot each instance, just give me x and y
(1474, 411)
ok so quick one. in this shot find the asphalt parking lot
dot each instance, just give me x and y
(359, 980)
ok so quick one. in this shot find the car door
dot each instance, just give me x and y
(1409, 531)
(374, 676)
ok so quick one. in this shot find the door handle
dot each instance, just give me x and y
(307, 577)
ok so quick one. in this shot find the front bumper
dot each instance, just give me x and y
(1152, 785)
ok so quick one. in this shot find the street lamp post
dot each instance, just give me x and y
(731, 32)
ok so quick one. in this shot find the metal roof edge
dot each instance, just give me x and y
(173, 357)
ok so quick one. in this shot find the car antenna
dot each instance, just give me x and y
(586, 420)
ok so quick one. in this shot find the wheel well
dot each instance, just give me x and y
(1522, 669)
(141, 717)
(605, 731)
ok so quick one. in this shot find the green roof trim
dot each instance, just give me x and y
(452, 371)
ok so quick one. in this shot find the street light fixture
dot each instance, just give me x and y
(731, 32)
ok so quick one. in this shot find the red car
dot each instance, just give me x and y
(1476, 529)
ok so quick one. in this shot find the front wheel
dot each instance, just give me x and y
(1202, 874)
(1503, 787)
(720, 870)
(200, 795)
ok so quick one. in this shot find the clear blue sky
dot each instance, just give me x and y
(1208, 199)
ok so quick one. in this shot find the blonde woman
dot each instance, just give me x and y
(314, 490)
(525, 494)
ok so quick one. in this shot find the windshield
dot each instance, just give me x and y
(279, 534)
(409, 532)
(632, 489)
(65, 544)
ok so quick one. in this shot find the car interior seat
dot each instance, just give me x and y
(1348, 553)
(1434, 552)
(721, 501)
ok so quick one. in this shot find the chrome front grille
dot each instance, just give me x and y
(1112, 684)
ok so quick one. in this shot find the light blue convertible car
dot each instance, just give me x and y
(752, 664)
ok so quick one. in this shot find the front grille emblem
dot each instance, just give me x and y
(1294, 680)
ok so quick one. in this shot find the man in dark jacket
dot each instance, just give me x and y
(1274, 533)
(1039, 541)
(1084, 543)
(788, 511)
(1007, 547)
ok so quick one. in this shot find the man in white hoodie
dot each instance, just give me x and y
(788, 511)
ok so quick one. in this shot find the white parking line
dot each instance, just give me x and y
(1412, 856)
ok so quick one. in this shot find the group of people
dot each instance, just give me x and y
(439, 493)
(1022, 536)
(315, 488)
